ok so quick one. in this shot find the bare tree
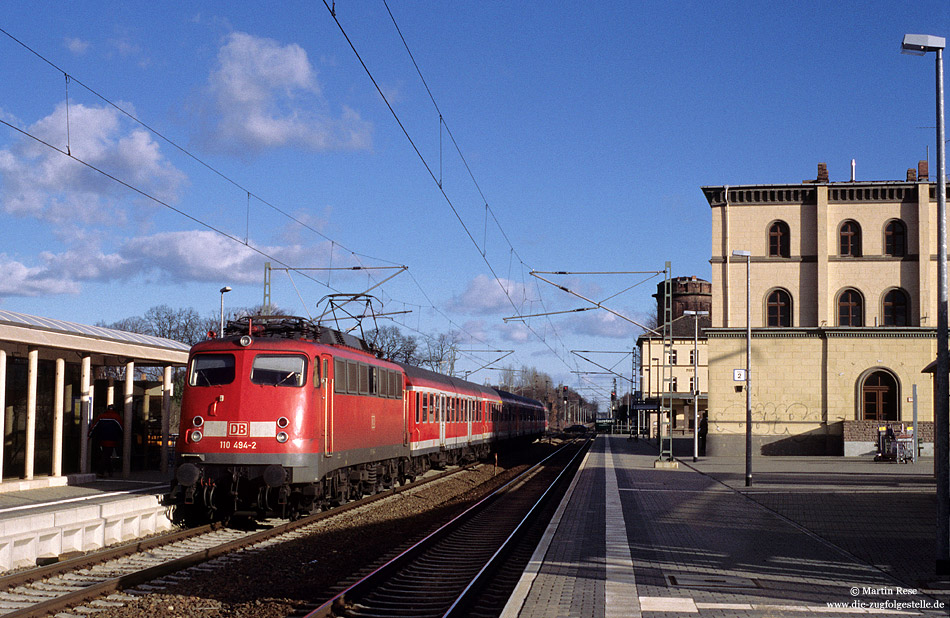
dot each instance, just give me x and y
(392, 344)
(441, 352)
(184, 325)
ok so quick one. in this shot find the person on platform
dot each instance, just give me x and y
(703, 430)
(106, 434)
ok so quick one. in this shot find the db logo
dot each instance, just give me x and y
(238, 429)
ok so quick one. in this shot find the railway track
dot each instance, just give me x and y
(98, 578)
(466, 567)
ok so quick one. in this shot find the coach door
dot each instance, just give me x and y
(469, 413)
(443, 412)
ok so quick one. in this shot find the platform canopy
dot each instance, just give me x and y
(19, 331)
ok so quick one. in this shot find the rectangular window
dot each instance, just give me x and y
(373, 380)
(316, 372)
(352, 377)
(418, 411)
(386, 390)
(339, 375)
(279, 370)
(364, 379)
(211, 370)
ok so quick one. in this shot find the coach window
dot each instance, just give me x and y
(418, 410)
(211, 370)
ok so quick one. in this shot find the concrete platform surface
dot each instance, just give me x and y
(83, 514)
(812, 536)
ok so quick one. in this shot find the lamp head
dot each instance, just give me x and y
(920, 44)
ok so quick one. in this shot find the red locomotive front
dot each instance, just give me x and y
(250, 399)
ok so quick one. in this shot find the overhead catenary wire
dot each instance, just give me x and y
(436, 179)
(250, 194)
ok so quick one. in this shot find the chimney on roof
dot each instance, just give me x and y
(922, 171)
(911, 175)
(822, 172)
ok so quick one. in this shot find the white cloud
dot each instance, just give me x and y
(600, 323)
(486, 296)
(265, 95)
(39, 182)
(515, 332)
(22, 280)
(187, 256)
(77, 46)
(206, 256)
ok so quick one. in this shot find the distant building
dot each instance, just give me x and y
(844, 301)
(682, 386)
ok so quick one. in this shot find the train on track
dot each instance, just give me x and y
(283, 417)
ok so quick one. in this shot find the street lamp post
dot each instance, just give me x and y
(748, 363)
(223, 291)
(920, 44)
(696, 315)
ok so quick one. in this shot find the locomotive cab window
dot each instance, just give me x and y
(279, 370)
(211, 370)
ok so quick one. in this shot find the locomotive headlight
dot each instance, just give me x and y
(197, 421)
(282, 437)
(282, 422)
(245, 340)
(195, 435)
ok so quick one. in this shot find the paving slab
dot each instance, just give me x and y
(811, 536)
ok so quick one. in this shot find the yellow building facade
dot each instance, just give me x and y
(842, 278)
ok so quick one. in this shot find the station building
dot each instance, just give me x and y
(843, 285)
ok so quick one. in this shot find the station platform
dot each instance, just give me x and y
(812, 536)
(49, 517)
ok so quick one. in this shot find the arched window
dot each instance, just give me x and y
(779, 239)
(849, 239)
(778, 307)
(896, 309)
(895, 238)
(850, 309)
(879, 397)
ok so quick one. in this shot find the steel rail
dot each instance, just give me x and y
(114, 584)
(337, 605)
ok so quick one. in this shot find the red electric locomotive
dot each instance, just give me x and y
(283, 417)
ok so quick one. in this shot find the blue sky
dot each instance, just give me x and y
(589, 129)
